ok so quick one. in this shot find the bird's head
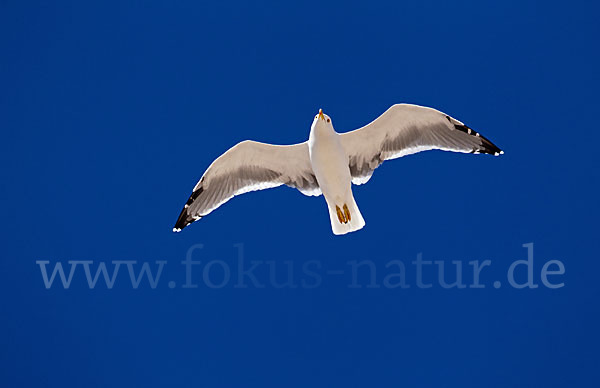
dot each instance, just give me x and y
(322, 120)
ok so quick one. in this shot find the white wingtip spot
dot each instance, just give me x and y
(501, 152)
(176, 230)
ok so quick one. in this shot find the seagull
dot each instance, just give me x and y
(330, 162)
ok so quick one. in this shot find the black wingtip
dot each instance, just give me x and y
(487, 147)
(182, 221)
(184, 218)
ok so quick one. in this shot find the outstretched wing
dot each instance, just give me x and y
(406, 129)
(249, 166)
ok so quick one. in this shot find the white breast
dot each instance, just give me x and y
(329, 162)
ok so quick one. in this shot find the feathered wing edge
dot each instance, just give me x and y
(406, 129)
(248, 166)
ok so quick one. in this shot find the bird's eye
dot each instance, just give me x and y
(328, 120)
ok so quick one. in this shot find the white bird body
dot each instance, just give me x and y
(328, 163)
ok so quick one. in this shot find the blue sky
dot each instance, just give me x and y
(110, 112)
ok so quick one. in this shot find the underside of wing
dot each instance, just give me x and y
(406, 129)
(249, 166)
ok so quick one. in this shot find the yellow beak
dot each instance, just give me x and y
(321, 114)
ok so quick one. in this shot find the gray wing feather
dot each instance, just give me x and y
(249, 166)
(406, 129)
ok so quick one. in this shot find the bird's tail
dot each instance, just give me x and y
(345, 217)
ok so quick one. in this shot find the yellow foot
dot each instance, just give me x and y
(343, 216)
(347, 212)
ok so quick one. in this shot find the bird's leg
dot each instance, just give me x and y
(341, 215)
(347, 212)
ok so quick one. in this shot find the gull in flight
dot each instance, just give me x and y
(329, 162)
